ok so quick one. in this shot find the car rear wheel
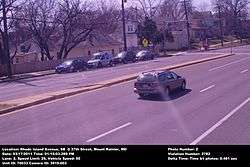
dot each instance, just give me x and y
(72, 69)
(111, 64)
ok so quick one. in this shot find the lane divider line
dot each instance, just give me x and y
(244, 71)
(206, 89)
(228, 64)
(109, 132)
(210, 130)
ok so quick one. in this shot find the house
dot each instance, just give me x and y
(131, 27)
(100, 43)
(179, 33)
(26, 57)
(205, 25)
(180, 40)
(26, 52)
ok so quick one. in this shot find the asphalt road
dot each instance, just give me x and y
(57, 82)
(214, 110)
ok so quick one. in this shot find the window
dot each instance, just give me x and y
(17, 60)
(103, 57)
(89, 52)
(174, 75)
(169, 76)
(130, 28)
(113, 51)
(162, 76)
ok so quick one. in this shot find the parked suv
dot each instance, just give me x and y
(101, 59)
(72, 66)
(125, 57)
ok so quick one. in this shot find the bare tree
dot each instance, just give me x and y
(39, 19)
(234, 11)
(149, 7)
(172, 10)
(7, 8)
(79, 22)
(203, 6)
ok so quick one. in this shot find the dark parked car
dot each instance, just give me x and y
(101, 59)
(72, 66)
(158, 82)
(125, 57)
(145, 55)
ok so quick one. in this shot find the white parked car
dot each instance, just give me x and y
(101, 59)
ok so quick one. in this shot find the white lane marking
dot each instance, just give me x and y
(210, 87)
(244, 71)
(111, 131)
(228, 64)
(196, 141)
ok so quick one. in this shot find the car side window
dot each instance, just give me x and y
(75, 62)
(103, 57)
(162, 77)
(174, 75)
(169, 76)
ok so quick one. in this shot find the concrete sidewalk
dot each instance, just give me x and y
(17, 77)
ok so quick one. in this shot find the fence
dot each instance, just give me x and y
(30, 67)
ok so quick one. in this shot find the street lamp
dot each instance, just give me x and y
(124, 26)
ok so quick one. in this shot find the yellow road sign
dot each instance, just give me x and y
(145, 42)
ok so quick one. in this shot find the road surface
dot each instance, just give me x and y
(213, 110)
(57, 82)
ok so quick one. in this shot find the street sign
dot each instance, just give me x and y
(145, 42)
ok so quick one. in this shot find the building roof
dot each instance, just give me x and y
(202, 15)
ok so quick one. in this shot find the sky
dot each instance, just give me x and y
(206, 4)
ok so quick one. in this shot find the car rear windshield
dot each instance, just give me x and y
(148, 77)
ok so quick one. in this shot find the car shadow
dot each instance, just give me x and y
(173, 95)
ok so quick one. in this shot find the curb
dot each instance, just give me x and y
(43, 98)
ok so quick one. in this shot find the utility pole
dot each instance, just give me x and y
(6, 40)
(124, 26)
(187, 22)
(221, 29)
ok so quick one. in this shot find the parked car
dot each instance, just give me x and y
(72, 66)
(101, 59)
(125, 57)
(158, 82)
(145, 55)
